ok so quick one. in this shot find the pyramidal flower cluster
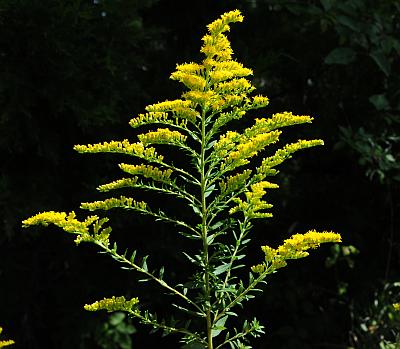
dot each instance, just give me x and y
(226, 182)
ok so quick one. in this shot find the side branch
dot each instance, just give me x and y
(123, 259)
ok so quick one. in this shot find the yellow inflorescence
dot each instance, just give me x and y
(118, 184)
(281, 155)
(123, 147)
(191, 68)
(5, 343)
(227, 70)
(148, 118)
(110, 203)
(234, 85)
(224, 118)
(180, 109)
(162, 136)
(396, 306)
(191, 81)
(293, 248)
(221, 24)
(234, 182)
(227, 101)
(147, 171)
(200, 97)
(260, 102)
(67, 222)
(249, 148)
(169, 105)
(113, 304)
(276, 121)
(254, 203)
(225, 143)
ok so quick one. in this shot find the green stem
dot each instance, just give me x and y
(237, 336)
(204, 232)
(238, 298)
(164, 217)
(243, 231)
(170, 329)
(123, 259)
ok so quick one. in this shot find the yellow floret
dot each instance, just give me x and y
(113, 304)
(162, 136)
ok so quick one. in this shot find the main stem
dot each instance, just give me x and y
(207, 290)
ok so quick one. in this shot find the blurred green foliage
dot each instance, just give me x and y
(115, 333)
(377, 325)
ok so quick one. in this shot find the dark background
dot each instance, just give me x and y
(75, 72)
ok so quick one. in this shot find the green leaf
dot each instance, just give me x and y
(117, 318)
(216, 225)
(341, 55)
(326, 4)
(390, 158)
(381, 61)
(221, 269)
(209, 190)
(193, 345)
(196, 209)
(348, 22)
(380, 102)
(219, 326)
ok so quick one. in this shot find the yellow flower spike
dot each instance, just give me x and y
(221, 24)
(162, 136)
(193, 82)
(294, 248)
(148, 118)
(234, 182)
(169, 105)
(227, 70)
(249, 148)
(259, 268)
(277, 120)
(5, 343)
(113, 304)
(282, 154)
(191, 68)
(225, 143)
(124, 147)
(147, 171)
(269, 252)
(234, 85)
(107, 204)
(200, 97)
(67, 222)
(259, 102)
(118, 184)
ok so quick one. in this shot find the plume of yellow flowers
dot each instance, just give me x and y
(107, 204)
(162, 136)
(6, 342)
(293, 248)
(124, 147)
(147, 171)
(113, 304)
(67, 222)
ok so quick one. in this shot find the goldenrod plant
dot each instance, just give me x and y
(225, 183)
(5, 342)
